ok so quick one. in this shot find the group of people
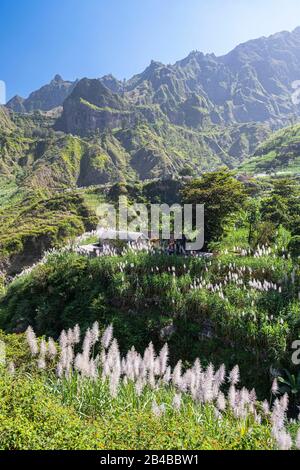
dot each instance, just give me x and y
(177, 247)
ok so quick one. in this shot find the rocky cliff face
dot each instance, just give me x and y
(92, 106)
(254, 82)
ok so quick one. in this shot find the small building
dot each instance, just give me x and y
(108, 235)
(113, 240)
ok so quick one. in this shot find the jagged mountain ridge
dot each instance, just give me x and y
(201, 112)
(251, 83)
(46, 98)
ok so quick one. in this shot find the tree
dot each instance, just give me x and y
(294, 246)
(221, 193)
(282, 207)
(117, 190)
(253, 217)
(285, 187)
(274, 209)
(266, 233)
(295, 225)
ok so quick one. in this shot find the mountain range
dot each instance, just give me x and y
(199, 113)
(254, 82)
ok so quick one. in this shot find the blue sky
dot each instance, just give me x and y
(77, 38)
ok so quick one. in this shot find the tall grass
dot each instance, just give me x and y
(102, 386)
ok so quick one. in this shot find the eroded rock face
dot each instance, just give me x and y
(6, 125)
(32, 252)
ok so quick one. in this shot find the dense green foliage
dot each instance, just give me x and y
(221, 194)
(37, 223)
(151, 139)
(32, 418)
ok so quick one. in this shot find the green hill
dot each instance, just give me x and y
(280, 153)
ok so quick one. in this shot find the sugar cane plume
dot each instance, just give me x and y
(95, 332)
(107, 337)
(158, 410)
(63, 339)
(52, 350)
(76, 334)
(234, 376)
(43, 348)
(177, 401)
(32, 341)
(275, 388)
(283, 439)
(150, 372)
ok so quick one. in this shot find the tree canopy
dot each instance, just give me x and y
(222, 195)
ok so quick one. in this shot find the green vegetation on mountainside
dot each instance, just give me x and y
(35, 224)
(280, 153)
(38, 157)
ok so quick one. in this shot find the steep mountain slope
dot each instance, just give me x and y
(280, 153)
(251, 83)
(48, 97)
(40, 170)
(6, 124)
(197, 113)
(37, 166)
(38, 158)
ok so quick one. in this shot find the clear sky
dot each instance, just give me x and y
(78, 38)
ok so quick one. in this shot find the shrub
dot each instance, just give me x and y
(294, 246)
(32, 418)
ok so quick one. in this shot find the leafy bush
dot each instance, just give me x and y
(294, 246)
(33, 418)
